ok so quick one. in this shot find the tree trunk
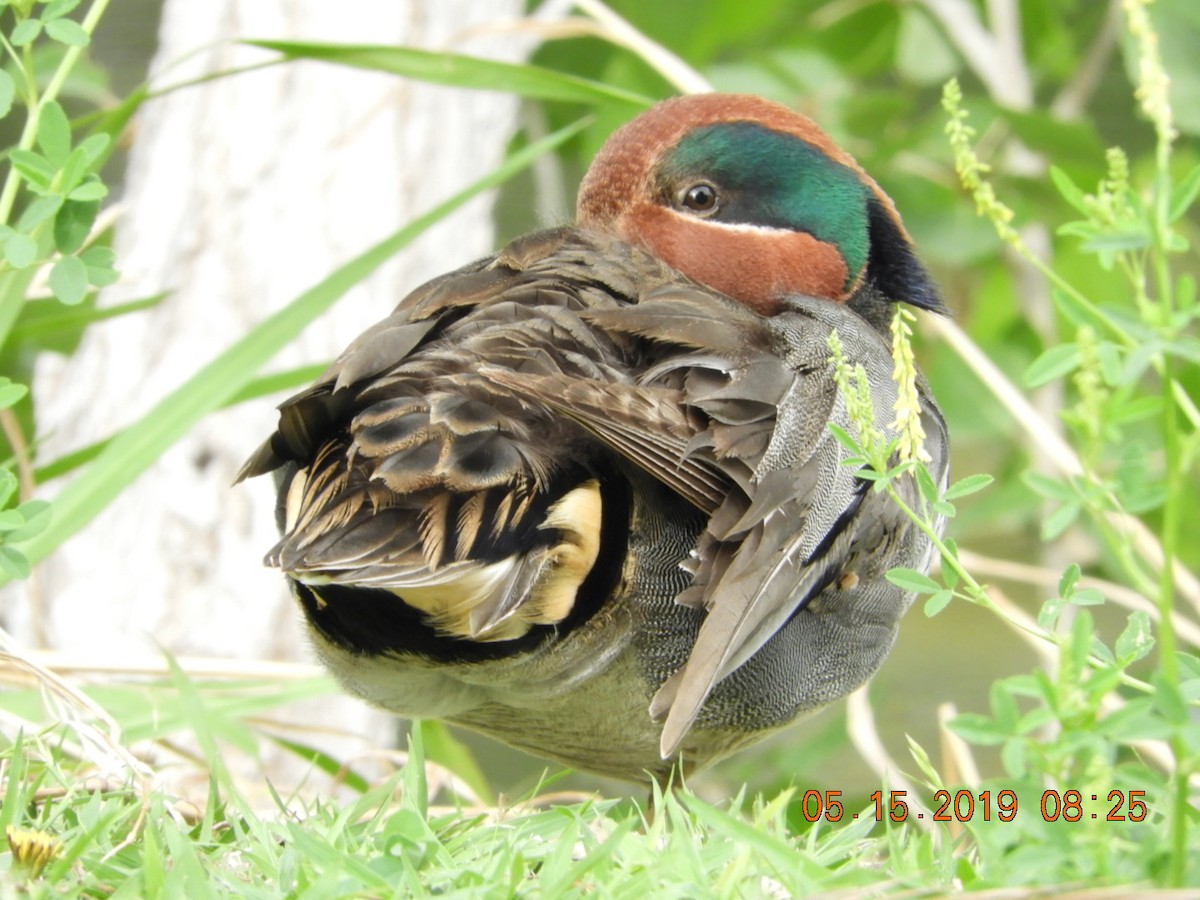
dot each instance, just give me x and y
(241, 193)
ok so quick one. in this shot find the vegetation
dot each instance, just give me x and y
(1068, 373)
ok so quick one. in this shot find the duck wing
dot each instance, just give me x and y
(457, 454)
(412, 468)
(758, 396)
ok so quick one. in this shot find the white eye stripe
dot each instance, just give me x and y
(747, 227)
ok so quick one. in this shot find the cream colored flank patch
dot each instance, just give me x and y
(295, 498)
(562, 568)
(577, 516)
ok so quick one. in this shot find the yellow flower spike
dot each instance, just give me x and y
(855, 389)
(1109, 206)
(1153, 84)
(1088, 414)
(908, 405)
(32, 850)
(971, 169)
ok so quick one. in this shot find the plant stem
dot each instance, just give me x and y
(1168, 661)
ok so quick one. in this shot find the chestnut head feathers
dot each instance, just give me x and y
(582, 495)
(753, 200)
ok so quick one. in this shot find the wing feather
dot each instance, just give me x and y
(434, 450)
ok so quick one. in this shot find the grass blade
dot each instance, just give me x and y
(460, 71)
(288, 379)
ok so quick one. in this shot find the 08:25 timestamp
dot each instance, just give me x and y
(965, 805)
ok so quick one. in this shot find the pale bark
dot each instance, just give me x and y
(242, 193)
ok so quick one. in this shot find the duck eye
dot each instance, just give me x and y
(701, 198)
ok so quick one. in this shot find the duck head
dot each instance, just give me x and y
(754, 200)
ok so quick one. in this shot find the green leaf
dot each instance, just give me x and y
(73, 224)
(39, 211)
(1087, 597)
(75, 169)
(1047, 616)
(1136, 640)
(58, 8)
(1060, 520)
(460, 71)
(68, 280)
(943, 508)
(20, 250)
(8, 90)
(10, 519)
(36, 168)
(949, 573)
(1102, 680)
(912, 580)
(1168, 699)
(1069, 190)
(1187, 348)
(1184, 194)
(8, 485)
(138, 446)
(13, 563)
(1117, 241)
(1080, 312)
(976, 729)
(843, 437)
(968, 485)
(1135, 721)
(54, 134)
(1189, 665)
(100, 256)
(101, 276)
(1187, 309)
(1056, 362)
(937, 602)
(112, 121)
(94, 149)
(1139, 360)
(11, 392)
(36, 516)
(69, 32)
(926, 484)
(1013, 757)
(1111, 361)
(1070, 578)
(1005, 710)
(1077, 644)
(1134, 410)
(92, 189)
(24, 34)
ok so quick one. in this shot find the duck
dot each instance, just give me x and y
(583, 496)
